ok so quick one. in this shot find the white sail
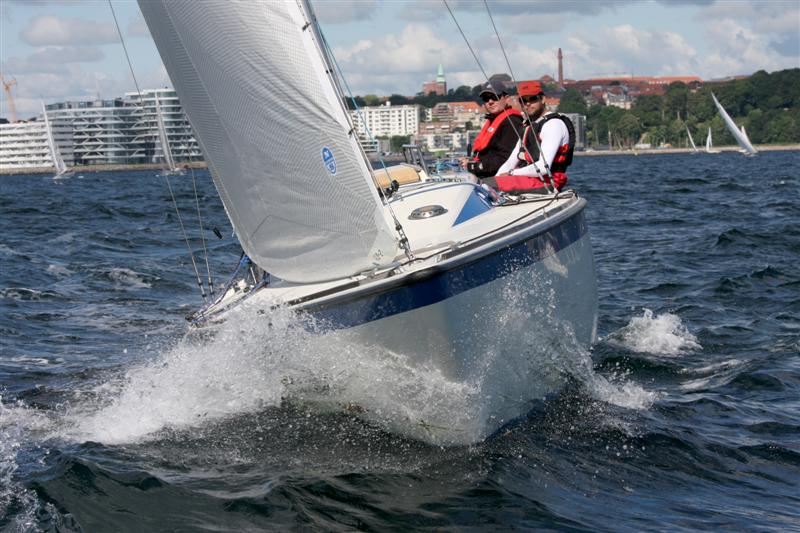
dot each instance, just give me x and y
(253, 82)
(162, 136)
(55, 154)
(689, 133)
(738, 134)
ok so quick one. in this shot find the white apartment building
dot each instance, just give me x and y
(25, 144)
(386, 120)
(145, 141)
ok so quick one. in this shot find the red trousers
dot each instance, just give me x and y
(523, 184)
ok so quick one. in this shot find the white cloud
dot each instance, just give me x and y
(50, 30)
(53, 59)
(626, 50)
(342, 11)
(532, 23)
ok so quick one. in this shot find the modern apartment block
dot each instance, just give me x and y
(386, 120)
(25, 145)
(181, 138)
(119, 131)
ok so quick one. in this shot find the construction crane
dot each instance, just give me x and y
(7, 87)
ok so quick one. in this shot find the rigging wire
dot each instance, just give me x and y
(486, 76)
(202, 237)
(166, 178)
(522, 106)
(186, 238)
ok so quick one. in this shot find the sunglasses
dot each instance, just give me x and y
(490, 98)
(531, 99)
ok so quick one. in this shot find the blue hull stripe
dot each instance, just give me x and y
(430, 287)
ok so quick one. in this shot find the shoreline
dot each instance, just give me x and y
(590, 153)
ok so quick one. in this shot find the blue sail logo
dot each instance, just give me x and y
(329, 160)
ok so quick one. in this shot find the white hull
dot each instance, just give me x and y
(510, 339)
(506, 317)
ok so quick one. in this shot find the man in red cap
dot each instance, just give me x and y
(502, 130)
(544, 152)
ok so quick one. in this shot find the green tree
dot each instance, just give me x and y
(572, 102)
(397, 142)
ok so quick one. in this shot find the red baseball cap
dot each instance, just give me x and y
(529, 88)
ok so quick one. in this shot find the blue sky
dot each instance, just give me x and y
(69, 49)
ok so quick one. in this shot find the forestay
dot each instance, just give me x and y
(740, 136)
(252, 81)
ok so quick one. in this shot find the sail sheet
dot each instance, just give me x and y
(739, 135)
(55, 153)
(162, 136)
(253, 82)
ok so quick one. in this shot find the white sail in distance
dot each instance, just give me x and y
(162, 136)
(55, 154)
(738, 134)
(689, 133)
(253, 82)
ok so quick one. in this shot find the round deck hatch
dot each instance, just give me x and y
(427, 211)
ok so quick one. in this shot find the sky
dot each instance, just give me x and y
(70, 49)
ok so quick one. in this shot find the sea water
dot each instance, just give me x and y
(685, 414)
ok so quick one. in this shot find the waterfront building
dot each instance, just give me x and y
(433, 142)
(101, 130)
(386, 120)
(145, 141)
(25, 144)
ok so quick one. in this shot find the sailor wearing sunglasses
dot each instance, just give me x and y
(495, 142)
(529, 168)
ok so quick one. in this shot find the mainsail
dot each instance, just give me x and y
(738, 134)
(55, 154)
(162, 136)
(254, 84)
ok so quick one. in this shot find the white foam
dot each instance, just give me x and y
(129, 278)
(15, 421)
(660, 335)
(59, 270)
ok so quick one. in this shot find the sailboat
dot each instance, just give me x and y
(746, 147)
(439, 274)
(172, 169)
(62, 172)
(710, 144)
(691, 141)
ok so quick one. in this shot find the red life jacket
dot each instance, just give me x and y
(489, 128)
(563, 157)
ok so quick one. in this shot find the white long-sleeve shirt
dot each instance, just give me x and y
(554, 135)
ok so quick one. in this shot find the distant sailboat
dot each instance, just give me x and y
(172, 169)
(58, 162)
(694, 146)
(710, 144)
(740, 135)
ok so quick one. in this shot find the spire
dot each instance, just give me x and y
(440, 74)
(560, 69)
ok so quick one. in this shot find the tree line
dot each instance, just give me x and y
(768, 105)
